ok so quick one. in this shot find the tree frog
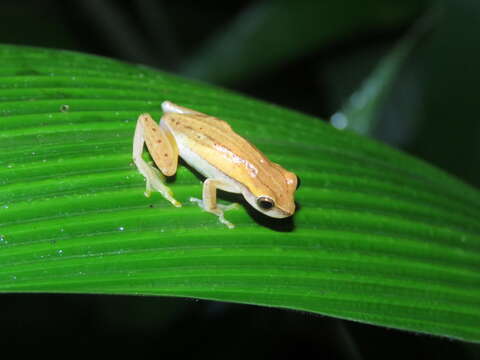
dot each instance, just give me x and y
(227, 160)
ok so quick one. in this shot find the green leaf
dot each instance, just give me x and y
(271, 33)
(360, 111)
(379, 236)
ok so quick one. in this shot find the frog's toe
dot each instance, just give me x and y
(218, 210)
(228, 207)
(199, 202)
(226, 222)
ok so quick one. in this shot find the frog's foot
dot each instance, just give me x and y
(218, 210)
(155, 181)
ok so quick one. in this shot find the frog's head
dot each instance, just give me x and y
(277, 199)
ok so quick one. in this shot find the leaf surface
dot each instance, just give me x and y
(379, 237)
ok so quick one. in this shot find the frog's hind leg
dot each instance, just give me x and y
(164, 151)
(209, 199)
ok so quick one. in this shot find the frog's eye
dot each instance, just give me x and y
(265, 203)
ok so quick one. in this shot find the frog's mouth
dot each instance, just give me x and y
(280, 213)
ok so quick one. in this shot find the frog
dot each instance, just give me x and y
(228, 161)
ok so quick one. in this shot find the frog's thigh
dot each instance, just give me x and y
(164, 151)
(161, 144)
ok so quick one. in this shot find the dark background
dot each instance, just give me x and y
(430, 112)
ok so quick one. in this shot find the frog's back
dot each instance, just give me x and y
(215, 141)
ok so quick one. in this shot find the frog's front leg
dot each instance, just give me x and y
(209, 200)
(164, 151)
